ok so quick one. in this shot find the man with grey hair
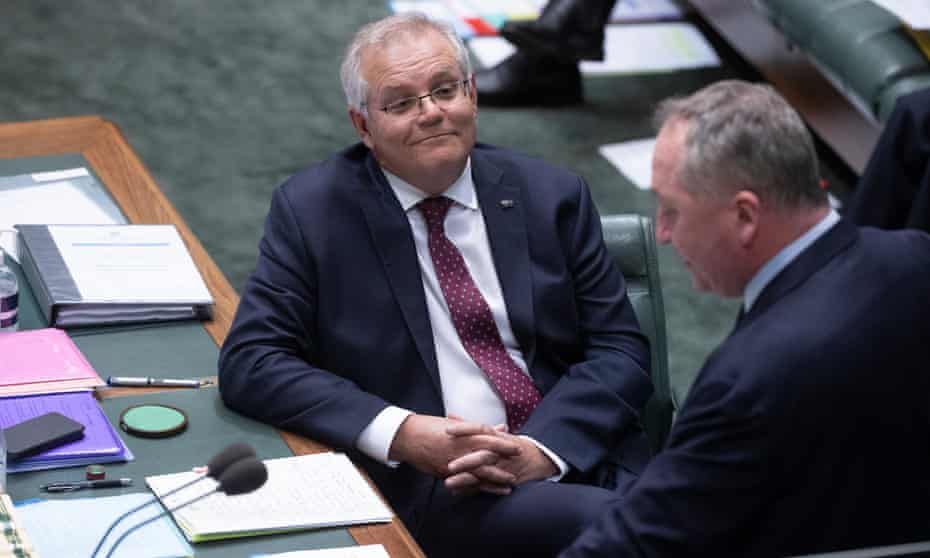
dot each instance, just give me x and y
(806, 430)
(446, 313)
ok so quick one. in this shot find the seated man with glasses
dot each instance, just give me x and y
(446, 313)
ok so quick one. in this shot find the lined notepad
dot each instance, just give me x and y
(302, 492)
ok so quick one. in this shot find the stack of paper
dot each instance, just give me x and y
(43, 361)
(302, 492)
(100, 444)
(71, 528)
(13, 541)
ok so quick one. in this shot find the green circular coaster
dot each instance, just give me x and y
(153, 421)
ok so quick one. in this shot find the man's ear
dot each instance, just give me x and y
(748, 211)
(360, 123)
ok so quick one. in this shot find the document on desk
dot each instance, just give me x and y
(71, 528)
(67, 196)
(43, 361)
(364, 551)
(97, 274)
(302, 492)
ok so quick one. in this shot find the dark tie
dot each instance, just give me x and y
(472, 319)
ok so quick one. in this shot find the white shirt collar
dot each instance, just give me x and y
(462, 190)
(784, 257)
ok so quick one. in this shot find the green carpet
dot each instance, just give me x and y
(224, 99)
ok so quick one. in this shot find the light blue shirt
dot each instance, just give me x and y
(784, 257)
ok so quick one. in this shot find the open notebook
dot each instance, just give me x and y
(302, 492)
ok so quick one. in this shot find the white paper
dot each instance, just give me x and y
(915, 13)
(633, 159)
(366, 551)
(628, 49)
(135, 263)
(490, 51)
(320, 490)
(59, 175)
(43, 198)
(652, 47)
(640, 10)
(72, 528)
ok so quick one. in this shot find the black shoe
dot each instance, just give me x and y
(571, 30)
(523, 79)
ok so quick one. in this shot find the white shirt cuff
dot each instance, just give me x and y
(559, 462)
(375, 441)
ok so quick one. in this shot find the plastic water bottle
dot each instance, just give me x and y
(9, 297)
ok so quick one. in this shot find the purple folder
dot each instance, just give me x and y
(101, 442)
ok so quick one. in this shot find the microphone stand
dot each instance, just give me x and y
(139, 507)
(151, 519)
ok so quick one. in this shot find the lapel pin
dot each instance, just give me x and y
(507, 204)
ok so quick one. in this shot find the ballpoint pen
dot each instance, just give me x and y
(70, 486)
(128, 381)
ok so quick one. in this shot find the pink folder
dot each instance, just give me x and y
(43, 361)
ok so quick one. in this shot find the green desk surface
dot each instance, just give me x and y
(211, 427)
(169, 350)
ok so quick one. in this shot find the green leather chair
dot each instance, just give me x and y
(630, 240)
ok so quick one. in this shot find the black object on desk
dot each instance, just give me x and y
(71, 486)
(39, 434)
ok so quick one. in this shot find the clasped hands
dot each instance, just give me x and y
(470, 456)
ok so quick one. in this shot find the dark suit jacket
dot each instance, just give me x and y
(894, 190)
(333, 326)
(807, 430)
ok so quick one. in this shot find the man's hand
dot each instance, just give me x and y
(485, 469)
(424, 442)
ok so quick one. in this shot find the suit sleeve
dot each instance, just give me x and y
(266, 365)
(595, 406)
(699, 496)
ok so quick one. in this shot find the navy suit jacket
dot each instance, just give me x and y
(807, 430)
(333, 325)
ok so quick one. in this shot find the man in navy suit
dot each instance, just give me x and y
(807, 429)
(446, 313)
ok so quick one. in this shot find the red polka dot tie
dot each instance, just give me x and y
(472, 319)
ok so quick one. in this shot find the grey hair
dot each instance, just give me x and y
(382, 32)
(745, 136)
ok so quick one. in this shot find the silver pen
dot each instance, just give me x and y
(133, 381)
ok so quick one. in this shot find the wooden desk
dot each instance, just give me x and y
(142, 201)
(832, 116)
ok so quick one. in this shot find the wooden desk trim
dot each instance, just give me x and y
(142, 201)
(850, 134)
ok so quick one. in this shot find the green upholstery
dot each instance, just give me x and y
(864, 49)
(630, 240)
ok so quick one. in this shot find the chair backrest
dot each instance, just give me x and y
(630, 240)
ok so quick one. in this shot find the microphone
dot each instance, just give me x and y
(241, 477)
(215, 468)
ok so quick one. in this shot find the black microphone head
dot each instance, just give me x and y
(243, 476)
(227, 457)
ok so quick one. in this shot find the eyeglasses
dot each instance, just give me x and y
(442, 96)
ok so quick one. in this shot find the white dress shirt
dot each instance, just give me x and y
(466, 390)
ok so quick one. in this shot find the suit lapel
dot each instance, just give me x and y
(393, 240)
(502, 207)
(808, 262)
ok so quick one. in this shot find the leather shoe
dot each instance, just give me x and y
(571, 30)
(524, 79)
